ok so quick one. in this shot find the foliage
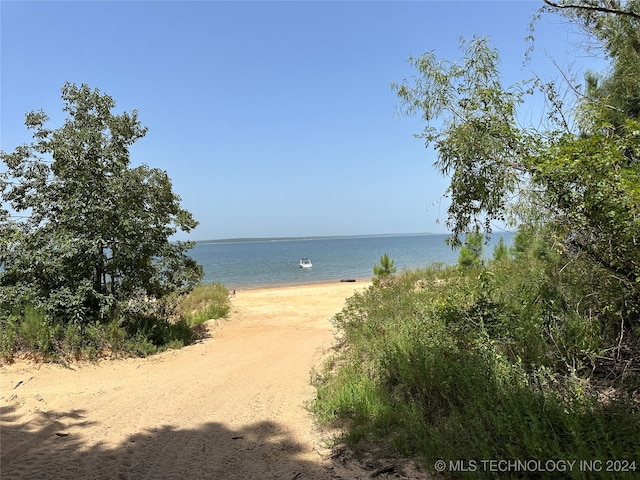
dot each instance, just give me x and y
(446, 363)
(500, 251)
(533, 355)
(471, 251)
(88, 265)
(471, 121)
(593, 187)
(90, 235)
(140, 330)
(581, 185)
(383, 271)
(204, 303)
(613, 97)
(592, 177)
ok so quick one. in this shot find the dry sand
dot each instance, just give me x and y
(229, 407)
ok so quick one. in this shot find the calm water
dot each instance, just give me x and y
(247, 264)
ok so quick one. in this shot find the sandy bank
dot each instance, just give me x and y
(229, 407)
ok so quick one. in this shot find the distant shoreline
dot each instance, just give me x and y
(319, 237)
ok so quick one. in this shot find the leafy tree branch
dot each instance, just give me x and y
(91, 234)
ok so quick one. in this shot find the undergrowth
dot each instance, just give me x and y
(139, 330)
(204, 303)
(495, 361)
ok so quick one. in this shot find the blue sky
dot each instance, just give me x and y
(272, 119)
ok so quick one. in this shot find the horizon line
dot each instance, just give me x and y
(313, 237)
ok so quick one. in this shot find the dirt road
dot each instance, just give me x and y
(229, 407)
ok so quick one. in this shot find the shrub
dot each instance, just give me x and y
(471, 252)
(500, 251)
(34, 330)
(490, 363)
(138, 327)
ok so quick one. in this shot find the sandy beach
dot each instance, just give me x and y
(229, 407)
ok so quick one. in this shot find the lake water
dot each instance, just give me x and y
(261, 263)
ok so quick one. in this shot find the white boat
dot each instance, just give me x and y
(305, 263)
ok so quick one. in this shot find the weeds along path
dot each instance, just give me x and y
(229, 407)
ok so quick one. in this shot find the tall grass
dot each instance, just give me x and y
(482, 363)
(204, 303)
(133, 330)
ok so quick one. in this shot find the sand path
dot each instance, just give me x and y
(230, 407)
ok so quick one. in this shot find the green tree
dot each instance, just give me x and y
(593, 185)
(591, 178)
(90, 235)
(471, 121)
(613, 97)
(500, 251)
(471, 252)
(583, 183)
(384, 271)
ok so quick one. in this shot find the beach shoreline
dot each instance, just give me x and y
(313, 283)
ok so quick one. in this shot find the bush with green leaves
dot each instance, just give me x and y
(500, 251)
(470, 254)
(140, 329)
(534, 355)
(579, 175)
(476, 364)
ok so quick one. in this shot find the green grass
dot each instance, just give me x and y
(169, 324)
(204, 303)
(495, 363)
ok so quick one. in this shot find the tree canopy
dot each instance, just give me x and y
(471, 121)
(84, 234)
(582, 183)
